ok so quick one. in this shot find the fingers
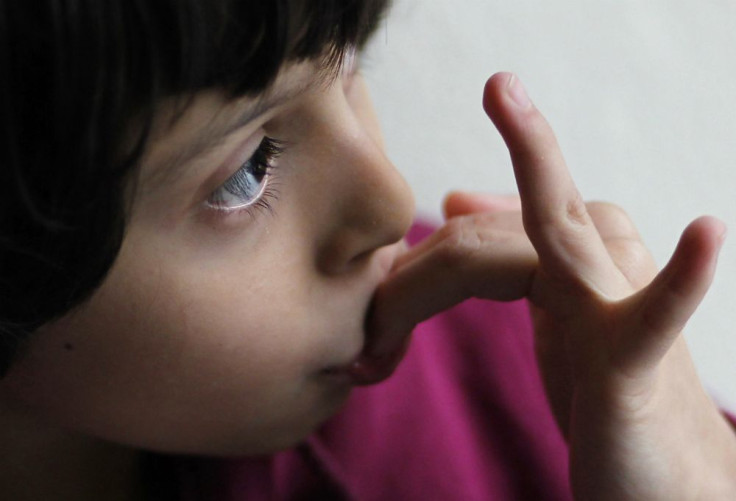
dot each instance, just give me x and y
(620, 237)
(659, 312)
(555, 216)
(623, 243)
(491, 222)
(611, 221)
(461, 203)
(472, 256)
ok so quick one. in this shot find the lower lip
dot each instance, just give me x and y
(369, 370)
(365, 370)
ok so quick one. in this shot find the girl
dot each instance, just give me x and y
(202, 256)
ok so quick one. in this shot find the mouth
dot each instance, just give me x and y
(384, 346)
(367, 368)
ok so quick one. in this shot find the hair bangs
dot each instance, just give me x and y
(240, 46)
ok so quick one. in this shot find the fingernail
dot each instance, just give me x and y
(517, 93)
(724, 232)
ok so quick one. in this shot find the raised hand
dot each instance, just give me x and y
(607, 325)
(608, 331)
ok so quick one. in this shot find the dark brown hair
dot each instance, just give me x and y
(75, 75)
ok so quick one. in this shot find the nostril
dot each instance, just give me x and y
(363, 256)
(345, 251)
(365, 227)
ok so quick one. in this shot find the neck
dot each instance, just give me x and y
(42, 461)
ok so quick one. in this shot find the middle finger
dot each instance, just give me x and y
(555, 216)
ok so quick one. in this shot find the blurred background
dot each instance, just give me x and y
(642, 96)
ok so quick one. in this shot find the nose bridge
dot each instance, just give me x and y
(376, 193)
(373, 206)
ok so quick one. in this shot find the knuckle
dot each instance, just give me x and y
(576, 212)
(569, 223)
(459, 240)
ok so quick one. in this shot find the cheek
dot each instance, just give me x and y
(191, 362)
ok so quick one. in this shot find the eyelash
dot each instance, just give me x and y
(262, 161)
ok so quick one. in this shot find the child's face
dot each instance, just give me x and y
(216, 329)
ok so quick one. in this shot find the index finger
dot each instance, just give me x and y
(555, 217)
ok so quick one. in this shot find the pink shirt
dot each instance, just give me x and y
(463, 418)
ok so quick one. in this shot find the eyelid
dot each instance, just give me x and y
(235, 196)
(230, 165)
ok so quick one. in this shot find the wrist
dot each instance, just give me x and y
(717, 471)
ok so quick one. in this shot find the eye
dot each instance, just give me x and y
(248, 185)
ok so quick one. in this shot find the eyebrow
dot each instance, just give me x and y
(213, 133)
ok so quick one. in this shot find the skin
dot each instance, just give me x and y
(228, 332)
(240, 332)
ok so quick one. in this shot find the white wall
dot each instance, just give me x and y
(642, 96)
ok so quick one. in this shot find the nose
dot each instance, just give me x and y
(370, 204)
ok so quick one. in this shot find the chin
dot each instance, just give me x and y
(284, 434)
